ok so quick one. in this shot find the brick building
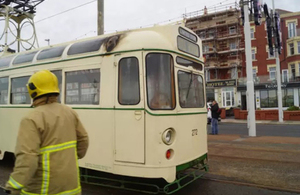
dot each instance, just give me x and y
(223, 47)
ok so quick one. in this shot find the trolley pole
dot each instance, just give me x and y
(100, 17)
(279, 93)
(250, 85)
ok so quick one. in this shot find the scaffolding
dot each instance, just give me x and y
(221, 33)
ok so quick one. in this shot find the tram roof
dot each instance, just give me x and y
(157, 37)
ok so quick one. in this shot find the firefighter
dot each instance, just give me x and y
(50, 141)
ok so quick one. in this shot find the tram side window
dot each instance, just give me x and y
(86, 46)
(191, 90)
(19, 94)
(24, 58)
(4, 62)
(129, 93)
(83, 87)
(3, 90)
(58, 74)
(160, 81)
(51, 53)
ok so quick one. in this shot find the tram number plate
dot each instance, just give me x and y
(194, 132)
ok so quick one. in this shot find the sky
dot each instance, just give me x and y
(81, 22)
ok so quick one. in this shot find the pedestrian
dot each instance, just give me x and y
(215, 113)
(50, 141)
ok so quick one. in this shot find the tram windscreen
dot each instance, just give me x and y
(160, 81)
(191, 90)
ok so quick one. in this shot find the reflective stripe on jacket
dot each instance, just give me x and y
(51, 138)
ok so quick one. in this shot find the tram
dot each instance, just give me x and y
(139, 93)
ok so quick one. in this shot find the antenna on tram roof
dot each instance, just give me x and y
(17, 14)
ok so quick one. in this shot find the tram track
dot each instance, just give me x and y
(251, 159)
(251, 185)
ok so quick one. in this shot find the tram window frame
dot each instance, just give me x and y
(23, 90)
(58, 74)
(120, 86)
(3, 86)
(193, 64)
(49, 53)
(172, 82)
(78, 86)
(187, 34)
(24, 58)
(184, 49)
(87, 46)
(5, 62)
(201, 103)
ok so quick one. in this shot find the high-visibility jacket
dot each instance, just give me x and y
(51, 138)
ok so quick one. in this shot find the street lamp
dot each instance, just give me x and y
(48, 40)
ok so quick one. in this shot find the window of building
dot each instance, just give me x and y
(83, 87)
(292, 51)
(270, 55)
(292, 29)
(205, 48)
(202, 35)
(3, 90)
(252, 33)
(160, 81)
(228, 97)
(211, 33)
(129, 88)
(298, 47)
(272, 73)
(287, 97)
(293, 71)
(232, 30)
(299, 69)
(254, 71)
(210, 95)
(54, 52)
(285, 75)
(191, 90)
(207, 75)
(268, 99)
(58, 74)
(19, 94)
(233, 71)
(232, 45)
(253, 54)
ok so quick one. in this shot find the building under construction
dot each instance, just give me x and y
(222, 35)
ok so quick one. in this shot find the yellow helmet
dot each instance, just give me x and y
(41, 83)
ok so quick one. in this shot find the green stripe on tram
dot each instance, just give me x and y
(122, 109)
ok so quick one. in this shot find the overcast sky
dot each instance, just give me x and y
(118, 15)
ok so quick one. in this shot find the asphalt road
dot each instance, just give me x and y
(202, 186)
(261, 129)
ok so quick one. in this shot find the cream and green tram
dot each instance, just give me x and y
(140, 94)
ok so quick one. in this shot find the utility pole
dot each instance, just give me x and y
(250, 84)
(100, 17)
(277, 48)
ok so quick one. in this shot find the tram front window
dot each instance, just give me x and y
(160, 81)
(191, 91)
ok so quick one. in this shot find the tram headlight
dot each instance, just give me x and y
(168, 136)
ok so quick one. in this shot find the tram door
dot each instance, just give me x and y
(129, 112)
